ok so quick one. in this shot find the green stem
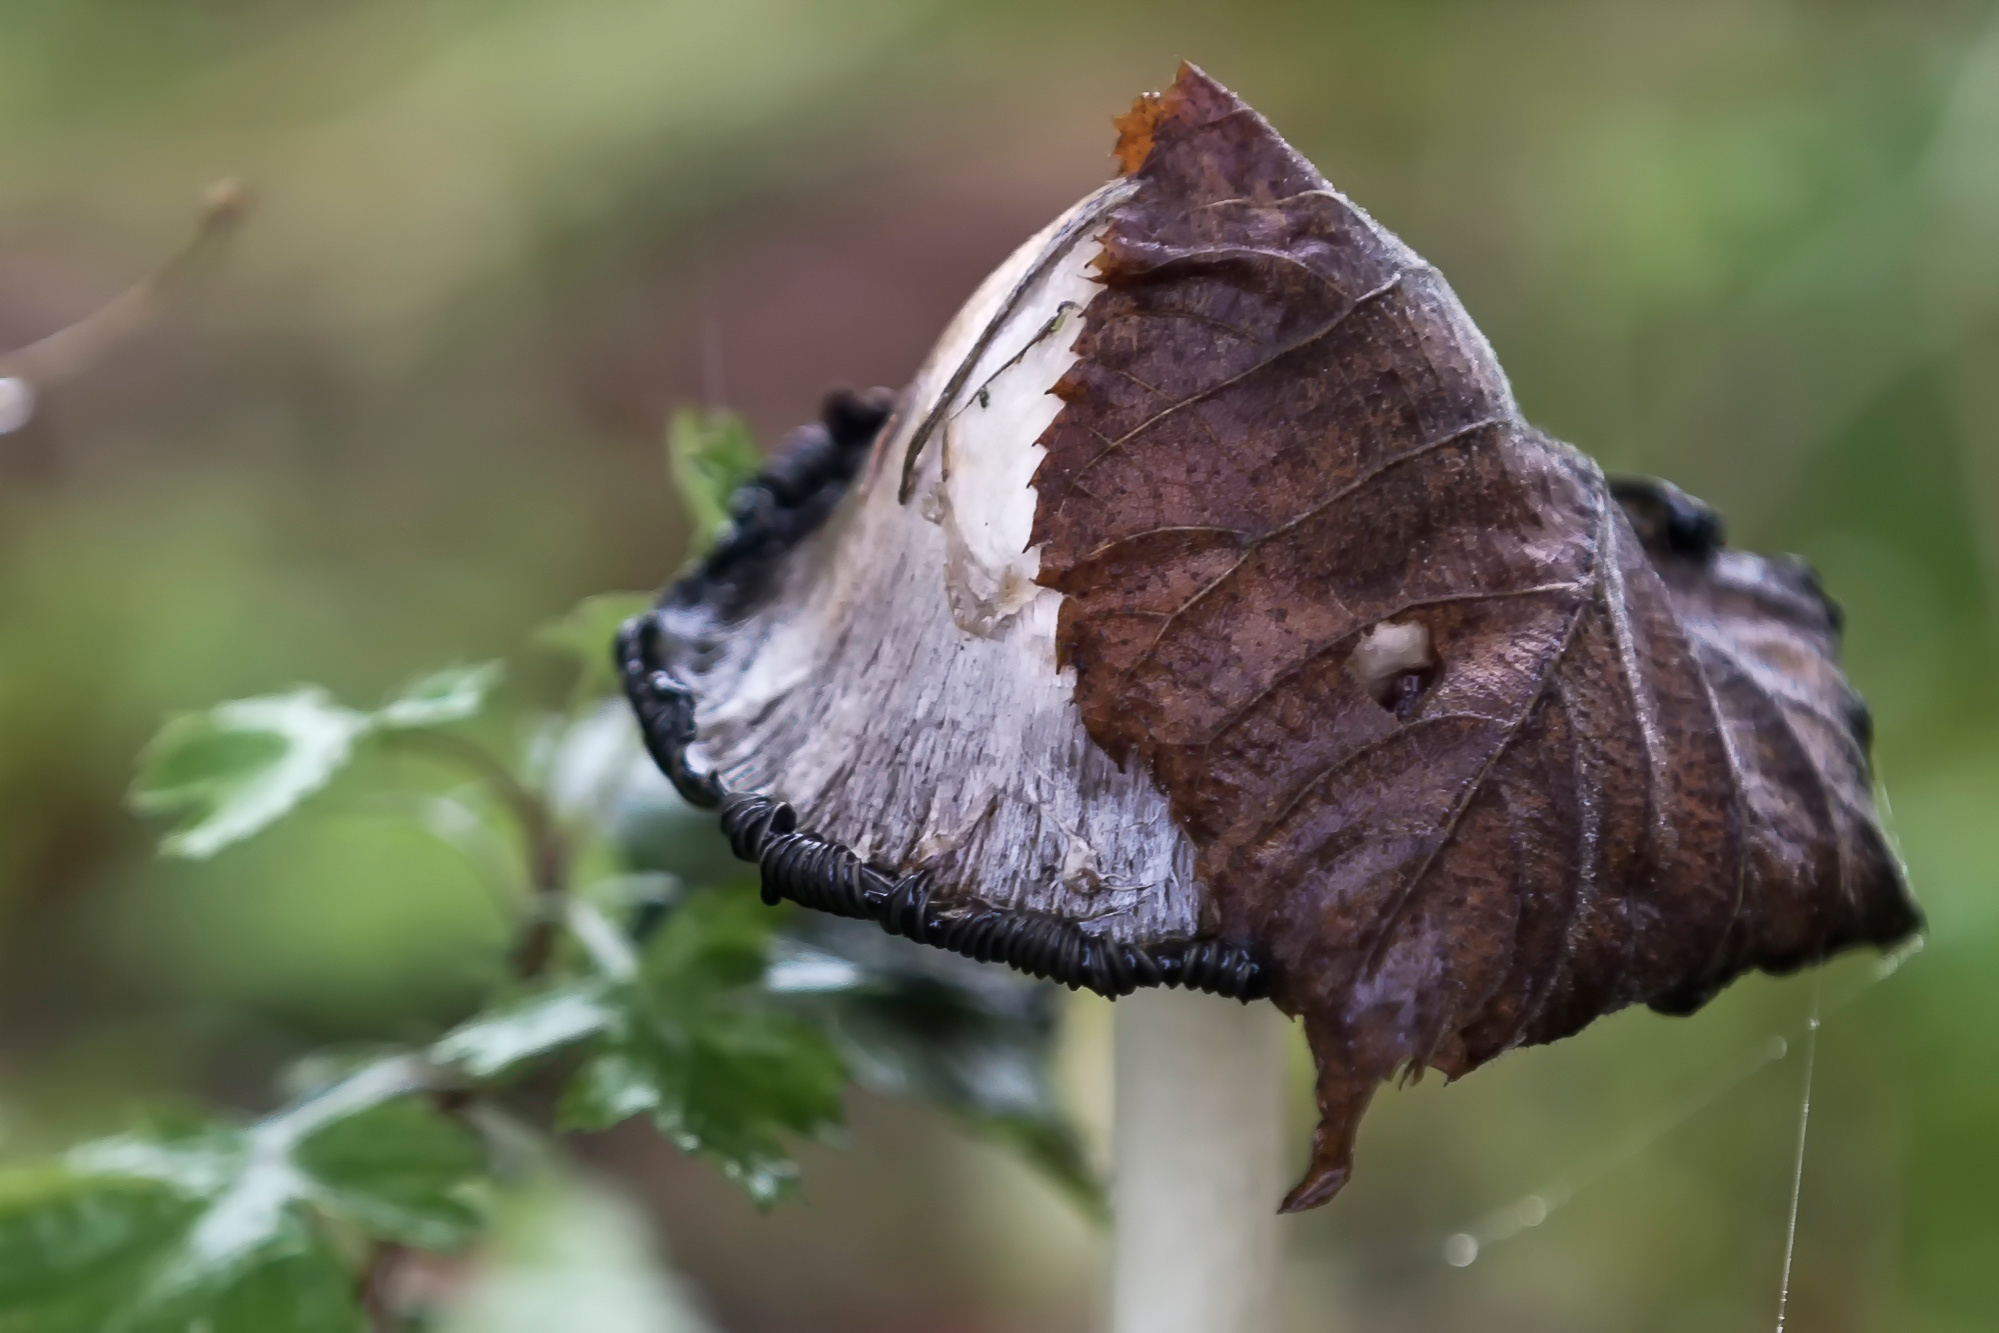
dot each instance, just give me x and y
(547, 848)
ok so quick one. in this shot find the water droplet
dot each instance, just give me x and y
(1531, 1211)
(1777, 1048)
(1461, 1250)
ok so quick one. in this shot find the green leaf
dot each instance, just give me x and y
(586, 632)
(514, 1033)
(697, 1044)
(716, 941)
(972, 1039)
(749, 1077)
(233, 770)
(711, 454)
(614, 1085)
(73, 1248)
(142, 1235)
(222, 1229)
(725, 1088)
(909, 1021)
(401, 1172)
(451, 695)
(292, 1282)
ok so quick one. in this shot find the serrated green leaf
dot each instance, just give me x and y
(585, 635)
(524, 1029)
(72, 1249)
(716, 941)
(159, 1236)
(750, 1076)
(451, 695)
(230, 772)
(978, 1042)
(219, 1228)
(711, 454)
(698, 1045)
(726, 1090)
(401, 1172)
(291, 1282)
(614, 1085)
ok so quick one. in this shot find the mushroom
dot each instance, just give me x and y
(1205, 615)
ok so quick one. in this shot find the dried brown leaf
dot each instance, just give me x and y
(1472, 754)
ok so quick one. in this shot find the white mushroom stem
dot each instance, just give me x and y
(1197, 1167)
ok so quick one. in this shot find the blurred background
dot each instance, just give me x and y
(1752, 245)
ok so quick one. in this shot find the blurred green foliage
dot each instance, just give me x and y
(231, 1230)
(232, 771)
(717, 1077)
(1751, 245)
(681, 1013)
(711, 454)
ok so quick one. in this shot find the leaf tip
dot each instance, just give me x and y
(1134, 132)
(1194, 97)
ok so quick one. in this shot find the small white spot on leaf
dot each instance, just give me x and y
(1387, 652)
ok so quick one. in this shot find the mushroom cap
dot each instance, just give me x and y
(1205, 613)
